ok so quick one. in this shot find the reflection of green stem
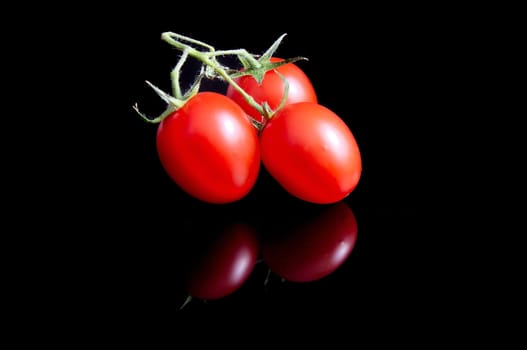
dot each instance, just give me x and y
(186, 302)
(209, 59)
(267, 277)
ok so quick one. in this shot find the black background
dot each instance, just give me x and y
(394, 75)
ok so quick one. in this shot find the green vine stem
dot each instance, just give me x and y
(209, 59)
(211, 68)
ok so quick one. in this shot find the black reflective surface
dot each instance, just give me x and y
(269, 252)
(296, 245)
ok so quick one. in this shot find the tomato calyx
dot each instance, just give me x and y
(258, 68)
(179, 98)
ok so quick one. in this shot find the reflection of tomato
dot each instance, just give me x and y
(271, 90)
(311, 152)
(315, 248)
(225, 265)
(210, 148)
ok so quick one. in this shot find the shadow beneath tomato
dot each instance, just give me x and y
(308, 248)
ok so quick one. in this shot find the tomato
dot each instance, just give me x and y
(222, 267)
(210, 148)
(311, 152)
(272, 88)
(314, 248)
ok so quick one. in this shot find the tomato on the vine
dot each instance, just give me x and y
(311, 152)
(211, 144)
(210, 148)
(272, 88)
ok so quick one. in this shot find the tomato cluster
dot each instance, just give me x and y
(212, 144)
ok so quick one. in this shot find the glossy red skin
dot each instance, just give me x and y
(316, 248)
(224, 266)
(311, 152)
(272, 88)
(210, 148)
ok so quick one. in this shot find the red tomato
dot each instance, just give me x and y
(315, 248)
(311, 152)
(272, 88)
(225, 265)
(210, 148)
